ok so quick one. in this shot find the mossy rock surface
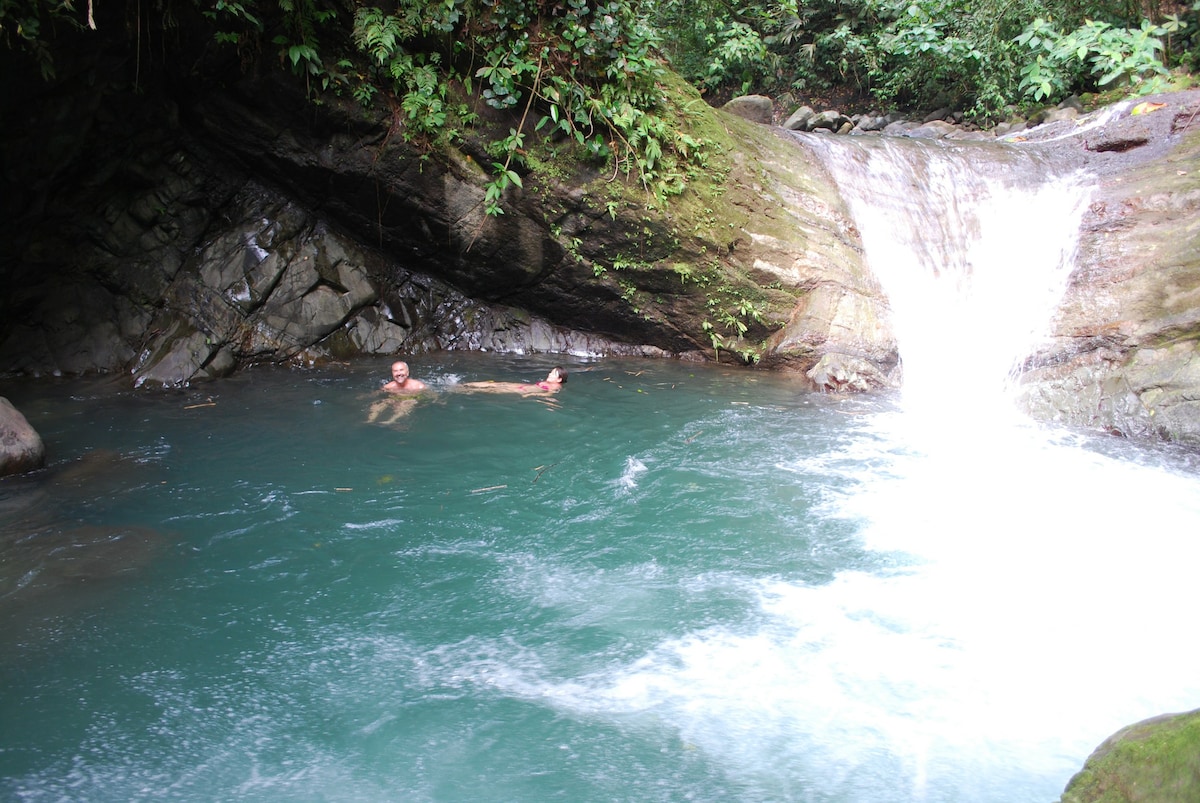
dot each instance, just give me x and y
(1155, 761)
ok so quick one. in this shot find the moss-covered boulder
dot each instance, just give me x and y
(1155, 761)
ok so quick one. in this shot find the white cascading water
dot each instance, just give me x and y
(972, 244)
(1008, 648)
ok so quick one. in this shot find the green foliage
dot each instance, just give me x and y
(717, 44)
(580, 71)
(977, 56)
(1096, 52)
(29, 24)
(1153, 760)
(734, 313)
(297, 26)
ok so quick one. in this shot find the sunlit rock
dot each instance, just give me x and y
(800, 119)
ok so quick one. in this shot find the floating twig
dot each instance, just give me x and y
(209, 403)
(542, 470)
(489, 488)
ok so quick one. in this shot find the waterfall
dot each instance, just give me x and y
(972, 244)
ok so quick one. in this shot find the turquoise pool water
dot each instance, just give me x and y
(668, 582)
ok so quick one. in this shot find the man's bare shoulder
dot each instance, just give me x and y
(409, 386)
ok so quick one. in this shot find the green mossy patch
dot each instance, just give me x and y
(676, 257)
(1156, 761)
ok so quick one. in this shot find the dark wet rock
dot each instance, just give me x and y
(1009, 127)
(251, 226)
(871, 123)
(900, 128)
(933, 129)
(1072, 102)
(46, 560)
(56, 572)
(56, 567)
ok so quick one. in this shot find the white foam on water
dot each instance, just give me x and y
(1001, 647)
(1033, 597)
(634, 468)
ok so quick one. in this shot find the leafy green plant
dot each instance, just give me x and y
(579, 70)
(1096, 50)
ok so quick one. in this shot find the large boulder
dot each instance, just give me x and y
(755, 108)
(21, 448)
(1154, 761)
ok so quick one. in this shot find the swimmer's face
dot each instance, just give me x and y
(400, 371)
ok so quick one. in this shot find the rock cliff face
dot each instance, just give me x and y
(1124, 353)
(182, 232)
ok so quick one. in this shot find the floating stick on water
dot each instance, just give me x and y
(542, 470)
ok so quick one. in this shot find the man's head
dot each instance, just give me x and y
(400, 371)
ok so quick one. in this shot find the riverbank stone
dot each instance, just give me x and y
(21, 447)
(755, 108)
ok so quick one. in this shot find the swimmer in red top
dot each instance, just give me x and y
(551, 384)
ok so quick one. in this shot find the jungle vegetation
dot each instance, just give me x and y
(589, 71)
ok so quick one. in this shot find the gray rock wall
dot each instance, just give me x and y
(1125, 351)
